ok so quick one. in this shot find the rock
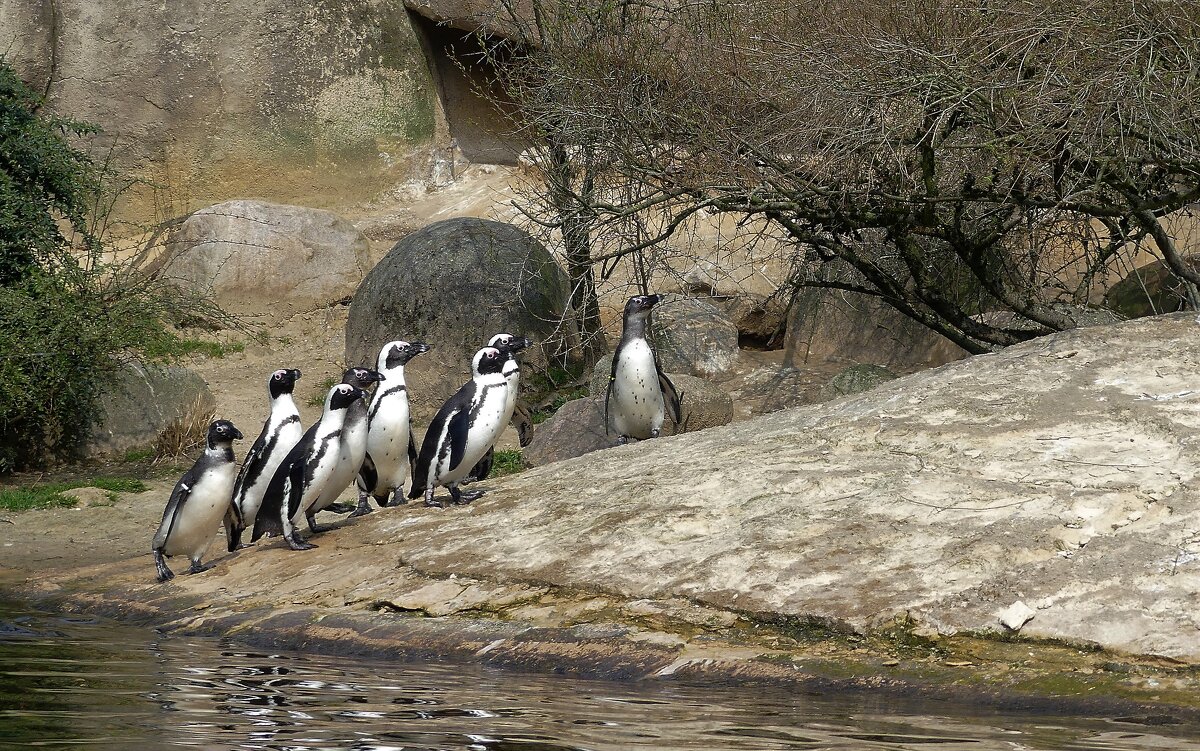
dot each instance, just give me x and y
(454, 284)
(1015, 616)
(829, 325)
(761, 321)
(854, 512)
(252, 255)
(140, 403)
(206, 104)
(87, 497)
(692, 336)
(856, 379)
(1149, 290)
(577, 427)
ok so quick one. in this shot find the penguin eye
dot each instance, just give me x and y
(279, 375)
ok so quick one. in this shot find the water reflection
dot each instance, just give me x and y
(70, 682)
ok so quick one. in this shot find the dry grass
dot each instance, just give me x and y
(187, 433)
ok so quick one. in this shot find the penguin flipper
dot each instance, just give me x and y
(295, 489)
(671, 396)
(179, 496)
(456, 431)
(412, 447)
(368, 475)
(612, 378)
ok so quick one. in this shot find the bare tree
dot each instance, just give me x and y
(951, 159)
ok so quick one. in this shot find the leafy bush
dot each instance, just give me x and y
(68, 318)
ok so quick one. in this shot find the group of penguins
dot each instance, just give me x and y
(290, 474)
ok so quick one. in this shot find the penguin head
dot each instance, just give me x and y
(395, 354)
(488, 360)
(282, 381)
(509, 342)
(222, 433)
(343, 395)
(361, 377)
(641, 304)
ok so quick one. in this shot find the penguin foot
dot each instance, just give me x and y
(315, 528)
(363, 508)
(622, 440)
(164, 574)
(197, 568)
(296, 542)
(654, 433)
(341, 508)
(397, 499)
(468, 496)
(430, 502)
(459, 498)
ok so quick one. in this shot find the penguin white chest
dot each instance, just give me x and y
(196, 522)
(387, 440)
(485, 425)
(636, 404)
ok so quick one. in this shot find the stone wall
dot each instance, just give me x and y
(294, 102)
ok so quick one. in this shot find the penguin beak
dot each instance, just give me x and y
(237, 434)
(419, 348)
(652, 300)
(518, 343)
(296, 373)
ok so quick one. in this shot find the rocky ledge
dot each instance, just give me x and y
(1026, 520)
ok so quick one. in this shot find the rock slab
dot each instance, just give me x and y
(251, 255)
(141, 402)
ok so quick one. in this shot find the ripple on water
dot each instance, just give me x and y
(78, 681)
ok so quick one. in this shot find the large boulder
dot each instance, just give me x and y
(252, 256)
(203, 102)
(1149, 290)
(577, 427)
(454, 284)
(832, 325)
(692, 336)
(142, 401)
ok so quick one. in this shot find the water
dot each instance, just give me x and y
(68, 682)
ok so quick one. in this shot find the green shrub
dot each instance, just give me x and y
(68, 319)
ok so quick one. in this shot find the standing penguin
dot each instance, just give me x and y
(201, 496)
(391, 447)
(509, 345)
(305, 471)
(280, 432)
(463, 430)
(639, 392)
(352, 447)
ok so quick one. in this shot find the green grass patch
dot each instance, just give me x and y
(171, 349)
(50, 495)
(137, 456)
(507, 462)
(318, 399)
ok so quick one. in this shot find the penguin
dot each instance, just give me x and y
(305, 471)
(391, 446)
(463, 430)
(352, 447)
(510, 345)
(639, 392)
(193, 513)
(280, 432)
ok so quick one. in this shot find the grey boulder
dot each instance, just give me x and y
(453, 284)
(692, 336)
(251, 255)
(140, 402)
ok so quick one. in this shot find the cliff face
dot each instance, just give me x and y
(296, 102)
